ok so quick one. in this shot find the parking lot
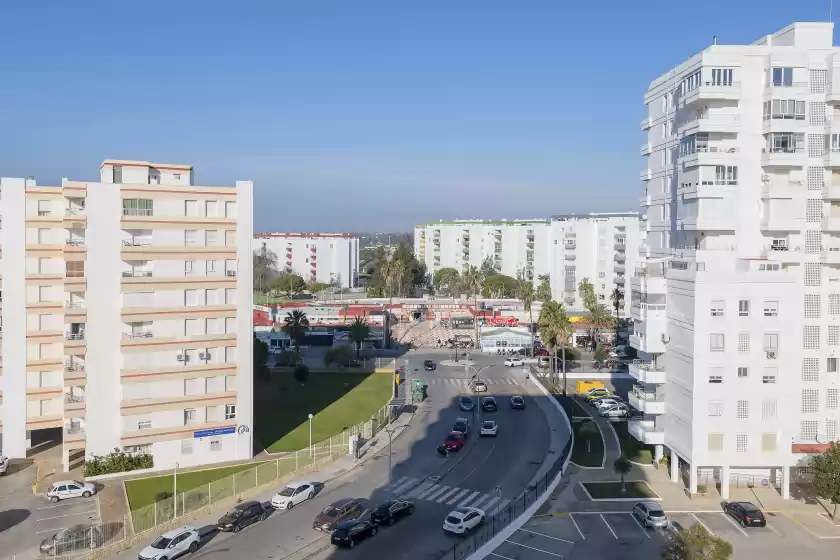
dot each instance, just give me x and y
(618, 534)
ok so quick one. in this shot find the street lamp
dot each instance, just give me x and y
(310, 438)
(175, 490)
(390, 433)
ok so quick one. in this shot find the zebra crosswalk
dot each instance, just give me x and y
(409, 488)
(461, 382)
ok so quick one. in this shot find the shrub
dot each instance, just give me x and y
(116, 462)
(702, 488)
(301, 373)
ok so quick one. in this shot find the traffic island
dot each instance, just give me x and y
(588, 450)
(634, 490)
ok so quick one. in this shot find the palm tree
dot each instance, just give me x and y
(622, 466)
(601, 320)
(400, 268)
(359, 331)
(295, 325)
(471, 282)
(526, 294)
(555, 323)
(616, 297)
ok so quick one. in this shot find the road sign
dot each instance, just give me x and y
(498, 490)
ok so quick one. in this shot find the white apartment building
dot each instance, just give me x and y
(321, 257)
(127, 316)
(740, 288)
(569, 248)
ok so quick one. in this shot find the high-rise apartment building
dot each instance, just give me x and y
(331, 258)
(127, 315)
(737, 306)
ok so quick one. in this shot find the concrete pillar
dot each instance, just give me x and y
(785, 483)
(65, 459)
(692, 480)
(724, 482)
(675, 467)
(657, 452)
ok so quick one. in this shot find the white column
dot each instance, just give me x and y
(657, 452)
(65, 459)
(785, 483)
(724, 482)
(692, 480)
(675, 467)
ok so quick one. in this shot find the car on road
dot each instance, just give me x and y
(489, 428)
(462, 425)
(462, 520)
(619, 410)
(543, 362)
(4, 464)
(429, 365)
(488, 404)
(745, 513)
(465, 403)
(593, 394)
(480, 386)
(349, 533)
(517, 402)
(172, 544)
(72, 539)
(241, 516)
(293, 494)
(513, 362)
(65, 489)
(346, 509)
(606, 402)
(650, 514)
(388, 513)
(454, 441)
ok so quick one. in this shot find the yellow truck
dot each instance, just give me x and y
(583, 386)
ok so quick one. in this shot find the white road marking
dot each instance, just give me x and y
(468, 500)
(534, 548)
(439, 491)
(49, 531)
(604, 519)
(489, 504)
(404, 486)
(547, 536)
(446, 495)
(500, 507)
(460, 495)
(419, 490)
(572, 517)
(640, 525)
(702, 524)
(68, 515)
(397, 482)
(477, 503)
(772, 529)
(728, 518)
(65, 504)
(433, 489)
(500, 556)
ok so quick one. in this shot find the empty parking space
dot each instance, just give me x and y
(819, 526)
(50, 518)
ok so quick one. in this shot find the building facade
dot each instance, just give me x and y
(331, 258)
(736, 306)
(127, 317)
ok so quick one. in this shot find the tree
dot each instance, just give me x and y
(315, 287)
(696, 543)
(336, 282)
(600, 356)
(826, 467)
(498, 286)
(617, 298)
(600, 319)
(488, 267)
(446, 281)
(261, 370)
(622, 466)
(301, 373)
(340, 355)
(587, 294)
(295, 325)
(543, 292)
(556, 326)
(289, 284)
(265, 268)
(525, 293)
(588, 431)
(359, 331)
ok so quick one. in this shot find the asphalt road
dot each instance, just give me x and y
(488, 471)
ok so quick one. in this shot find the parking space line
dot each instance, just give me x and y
(65, 504)
(49, 531)
(813, 534)
(68, 515)
(500, 556)
(534, 548)
(770, 526)
(572, 517)
(702, 524)
(447, 494)
(547, 536)
(604, 519)
(640, 525)
(460, 495)
(735, 524)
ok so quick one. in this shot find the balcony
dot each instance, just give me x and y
(645, 149)
(783, 157)
(137, 274)
(832, 158)
(646, 432)
(782, 253)
(137, 334)
(620, 247)
(620, 257)
(641, 311)
(74, 430)
(831, 192)
(649, 402)
(830, 255)
(784, 190)
(619, 279)
(570, 256)
(74, 305)
(645, 175)
(569, 299)
(74, 403)
(710, 123)
(646, 372)
(137, 242)
(646, 123)
(74, 365)
(710, 155)
(74, 242)
(570, 244)
(79, 335)
(138, 212)
(710, 91)
(73, 212)
(619, 267)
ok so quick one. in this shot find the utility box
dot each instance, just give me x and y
(582, 386)
(354, 445)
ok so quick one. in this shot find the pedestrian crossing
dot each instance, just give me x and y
(461, 382)
(409, 488)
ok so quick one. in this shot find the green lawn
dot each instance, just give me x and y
(585, 452)
(262, 299)
(632, 448)
(337, 399)
(636, 489)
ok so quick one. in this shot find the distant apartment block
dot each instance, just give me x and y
(323, 257)
(127, 315)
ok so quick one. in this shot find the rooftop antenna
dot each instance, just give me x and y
(830, 10)
(714, 39)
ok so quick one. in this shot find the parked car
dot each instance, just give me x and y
(462, 425)
(606, 402)
(388, 513)
(596, 393)
(454, 441)
(489, 428)
(462, 520)
(517, 402)
(4, 464)
(745, 513)
(293, 494)
(619, 351)
(429, 365)
(73, 539)
(241, 516)
(514, 362)
(64, 489)
(349, 533)
(465, 403)
(337, 512)
(172, 544)
(489, 404)
(480, 386)
(620, 410)
(650, 514)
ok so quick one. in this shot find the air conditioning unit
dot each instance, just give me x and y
(231, 273)
(204, 355)
(181, 357)
(765, 177)
(771, 355)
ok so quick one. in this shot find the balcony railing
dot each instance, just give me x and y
(72, 428)
(71, 399)
(648, 306)
(772, 84)
(74, 335)
(74, 211)
(138, 211)
(74, 242)
(139, 334)
(640, 392)
(45, 212)
(75, 274)
(136, 242)
(74, 366)
(648, 366)
(74, 304)
(137, 273)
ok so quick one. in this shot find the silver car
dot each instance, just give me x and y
(650, 514)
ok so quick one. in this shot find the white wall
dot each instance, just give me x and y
(335, 255)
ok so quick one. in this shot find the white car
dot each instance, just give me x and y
(607, 402)
(616, 411)
(650, 514)
(293, 494)
(172, 544)
(462, 520)
(513, 362)
(64, 489)
(489, 428)
(619, 351)
(480, 387)
(4, 464)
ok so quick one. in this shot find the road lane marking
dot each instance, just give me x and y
(68, 515)
(534, 548)
(702, 524)
(640, 525)
(66, 504)
(460, 495)
(419, 490)
(500, 556)
(572, 517)
(397, 482)
(468, 500)
(404, 486)
(500, 507)
(433, 489)
(547, 536)
(769, 526)
(604, 519)
(734, 524)
(446, 495)
(489, 504)
(439, 491)
(490, 452)
(49, 531)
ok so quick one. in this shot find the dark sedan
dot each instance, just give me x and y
(241, 516)
(746, 513)
(349, 533)
(517, 402)
(391, 511)
(489, 404)
(338, 512)
(429, 365)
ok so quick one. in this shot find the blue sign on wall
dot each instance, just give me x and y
(215, 432)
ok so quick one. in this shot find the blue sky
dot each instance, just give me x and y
(364, 114)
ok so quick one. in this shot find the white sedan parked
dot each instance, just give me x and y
(607, 402)
(293, 494)
(64, 489)
(462, 520)
(620, 410)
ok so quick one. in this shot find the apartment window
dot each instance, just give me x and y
(831, 399)
(230, 411)
(602, 275)
(717, 308)
(190, 208)
(721, 76)
(190, 237)
(715, 378)
(744, 342)
(743, 308)
(716, 342)
(230, 355)
(211, 208)
(144, 425)
(810, 370)
(743, 409)
(212, 237)
(813, 246)
(810, 400)
(781, 77)
(833, 335)
(190, 416)
(230, 209)
(144, 449)
(814, 208)
(831, 365)
(785, 142)
(716, 408)
(768, 441)
(834, 304)
(808, 430)
(789, 109)
(190, 298)
(211, 267)
(813, 276)
(726, 174)
(741, 443)
(186, 447)
(771, 343)
(715, 442)
(771, 309)
(831, 430)
(138, 207)
(215, 445)
(189, 267)
(743, 372)
(769, 376)
(769, 409)
(230, 238)
(811, 337)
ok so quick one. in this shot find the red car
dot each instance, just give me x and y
(541, 352)
(454, 441)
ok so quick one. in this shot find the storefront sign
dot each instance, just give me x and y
(215, 432)
(503, 321)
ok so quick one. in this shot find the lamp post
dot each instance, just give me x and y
(310, 437)
(474, 379)
(175, 490)
(390, 433)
